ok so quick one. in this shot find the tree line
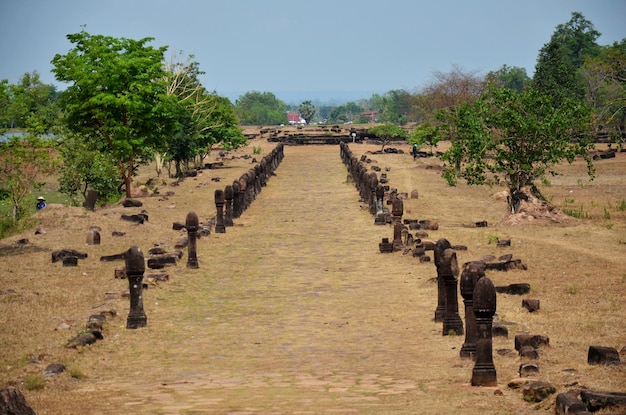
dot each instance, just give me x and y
(127, 105)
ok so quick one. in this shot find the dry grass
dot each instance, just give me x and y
(294, 310)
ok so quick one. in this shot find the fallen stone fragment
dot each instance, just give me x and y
(53, 369)
(568, 403)
(84, 339)
(597, 400)
(537, 391)
(533, 340)
(64, 253)
(12, 402)
(603, 355)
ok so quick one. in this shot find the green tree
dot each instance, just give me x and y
(117, 97)
(605, 76)
(514, 139)
(514, 78)
(578, 38)
(260, 108)
(555, 74)
(24, 162)
(388, 132)
(85, 168)
(425, 134)
(307, 111)
(29, 104)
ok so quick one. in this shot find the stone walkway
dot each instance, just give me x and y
(294, 310)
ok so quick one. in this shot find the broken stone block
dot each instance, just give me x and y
(60, 254)
(13, 402)
(537, 391)
(568, 403)
(597, 400)
(528, 370)
(131, 203)
(84, 339)
(70, 261)
(53, 369)
(533, 340)
(529, 352)
(530, 305)
(514, 289)
(603, 355)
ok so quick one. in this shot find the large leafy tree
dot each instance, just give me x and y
(24, 162)
(605, 77)
(86, 168)
(578, 37)
(557, 72)
(260, 108)
(29, 105)
(514, 139)
(556, 75)
(388, 132)
(117, 96)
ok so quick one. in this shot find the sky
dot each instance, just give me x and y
(323, 50)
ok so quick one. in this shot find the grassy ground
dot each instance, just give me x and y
(294, 309)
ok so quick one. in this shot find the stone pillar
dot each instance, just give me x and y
(135, 267)
(192, 223)
(219, 204)
(397, 209)
(373, 183)
(228, 195)
(441, 245)
(380, 211)
(469, 277)
(242, 195)
(484, 372)
(449, 271)
(236, 200)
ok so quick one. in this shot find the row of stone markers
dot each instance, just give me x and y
(478, 293)
(236, 197)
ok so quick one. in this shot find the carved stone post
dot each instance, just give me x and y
(380, 211)
(441, 245)
(219, 204)
(469, 277)
(397, 209)
(373, 184)
(228, 195)
(192, 223)
(236, 200)
(449, 271)
(484, 372)
(135, 267)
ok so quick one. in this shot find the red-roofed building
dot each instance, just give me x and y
(294, 118)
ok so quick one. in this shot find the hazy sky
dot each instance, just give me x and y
(306, 49)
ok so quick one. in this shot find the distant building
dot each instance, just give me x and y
(370, 114)
(294, 118)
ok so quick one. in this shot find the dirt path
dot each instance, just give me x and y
(293, 310)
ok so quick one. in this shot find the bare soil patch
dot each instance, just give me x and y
(295, 310)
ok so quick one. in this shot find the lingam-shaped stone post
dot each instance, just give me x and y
(191, 224)
(219, 204)
(380, 212)
(135, 267)
(449, 270)
(236, 200)
(397, 209)
(469, 277)
(440, 246)
(484, 372)
(373, 184)
(228, 196)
